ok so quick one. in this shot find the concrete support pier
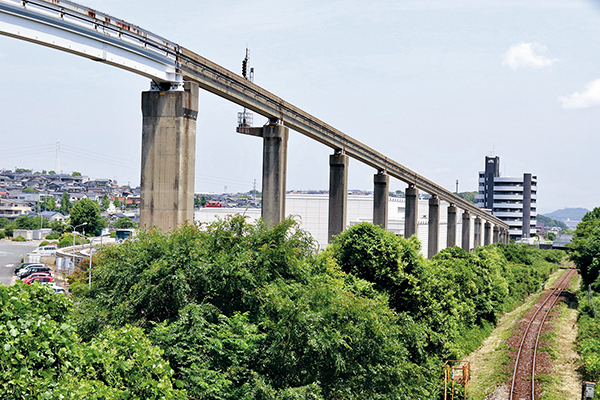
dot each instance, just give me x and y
(168, 157)
(466, 231)
(487, 233)
(496, 234)
(477, 232)
(451, 237)
(338, 193)
(381, 190)
(410, 211)
(434, 227)
(274, 171)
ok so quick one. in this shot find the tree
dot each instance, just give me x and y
(65, 204)
(75, 173)
(4, 222)
(105, 201)
(87, 211)
(234, 305)
(116, 202)
(468, 196)
(124, 223)
(48, 203)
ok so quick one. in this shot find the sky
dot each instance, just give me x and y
(436, 85)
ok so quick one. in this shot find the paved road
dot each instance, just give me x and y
(10, 256)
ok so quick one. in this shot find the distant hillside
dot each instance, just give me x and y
(549, 222)
(568, 213)
(468, 196)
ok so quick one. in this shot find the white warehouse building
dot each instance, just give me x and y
(311, 211)
(513, 200)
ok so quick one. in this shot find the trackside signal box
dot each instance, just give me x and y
(588, 390)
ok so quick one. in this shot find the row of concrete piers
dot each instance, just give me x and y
(168, 162)
(275, 137)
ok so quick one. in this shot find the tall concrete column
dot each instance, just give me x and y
(168, 157)
(338, 193)
(466, 231)
(451, 237)
(410, 211)
(477, 232)
(381, 190)
(434, 227)
(496, 234)
(274, 172)
(487, 235)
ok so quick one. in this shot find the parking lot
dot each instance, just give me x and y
(11, 254)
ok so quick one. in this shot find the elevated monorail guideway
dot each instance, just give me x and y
(77, 29)
(222, 82)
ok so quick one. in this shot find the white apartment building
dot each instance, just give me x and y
(513, 200)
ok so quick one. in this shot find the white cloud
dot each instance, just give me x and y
(527, 55)
(590, 97)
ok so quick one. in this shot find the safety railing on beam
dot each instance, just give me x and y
(224, 83)
(92, 34)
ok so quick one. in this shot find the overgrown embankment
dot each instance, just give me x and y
(244, 311)
(585, 249)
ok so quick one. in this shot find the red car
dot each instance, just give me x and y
(38, 277)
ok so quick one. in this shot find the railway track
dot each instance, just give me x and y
(523, 381)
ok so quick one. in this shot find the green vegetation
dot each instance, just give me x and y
(19, 239)
(468, 196)
(48, 203)
(124, 223)
(66, 240)
(65, 204)
(549, 222)
(87, 211)
(585, 249)
(44, 358)
(239, 311)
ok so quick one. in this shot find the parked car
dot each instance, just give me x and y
(58, 289)
(36, 274)
(24, 265)
(39, 278)
(33, 269)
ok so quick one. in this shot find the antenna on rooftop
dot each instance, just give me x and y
(245, 117)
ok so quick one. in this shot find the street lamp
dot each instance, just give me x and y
(74, 228)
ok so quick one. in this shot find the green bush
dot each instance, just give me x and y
(234, 305)
(43, 358)
(2, 235)
(19, 239)
(53, 236)
(45, 242)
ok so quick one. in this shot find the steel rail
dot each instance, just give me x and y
(569, 275)
(558, 285)
(224, 83)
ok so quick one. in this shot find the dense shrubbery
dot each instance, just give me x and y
(250, 312)
(450, 297)
(42, 356)
(585, 253)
